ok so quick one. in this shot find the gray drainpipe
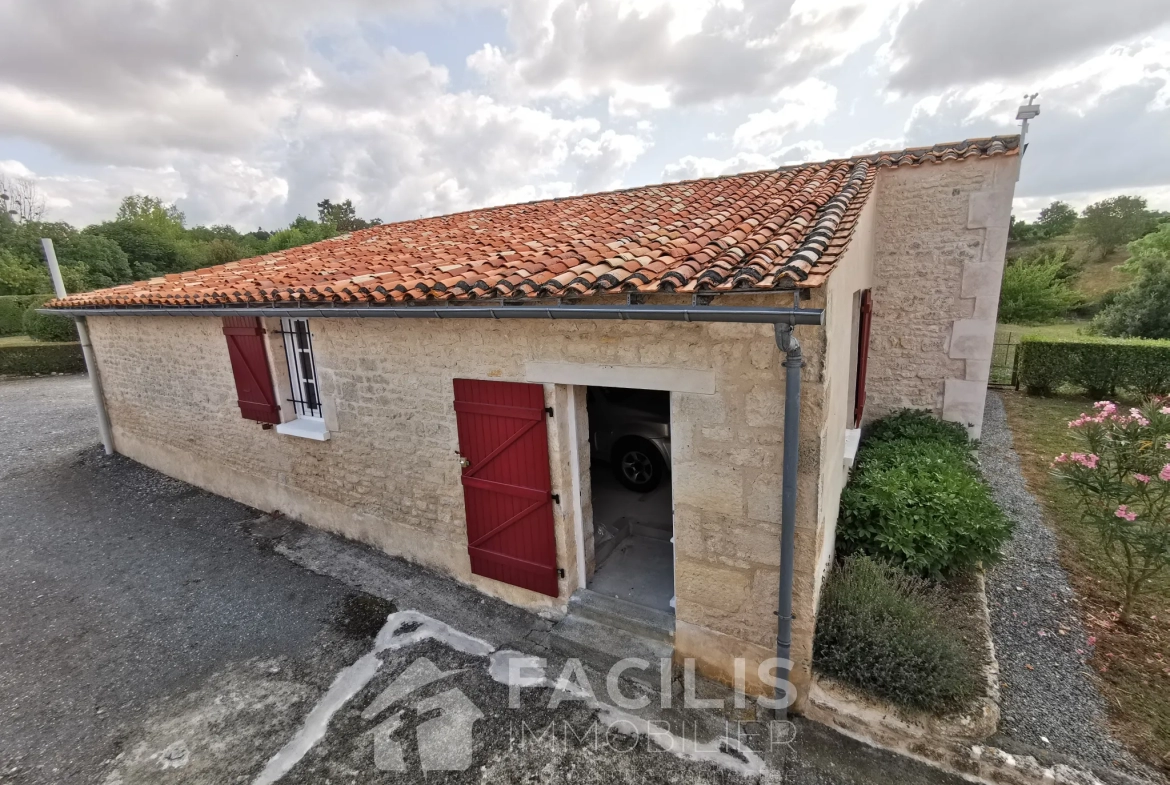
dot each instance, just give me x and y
(95, 379)
(793, 362)
(783, 320)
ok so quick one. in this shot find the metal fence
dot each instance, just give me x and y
(1004, 362)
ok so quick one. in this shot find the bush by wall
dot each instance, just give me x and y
(33, 358)
(12, 308)
(883, 631)
(917, 425)
(1100, 366)
(916, 499)
(48, 328)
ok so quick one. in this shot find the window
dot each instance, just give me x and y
(304, 386)
(302, 372)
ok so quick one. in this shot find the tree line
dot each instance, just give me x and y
(1110, 263)
(146, 238)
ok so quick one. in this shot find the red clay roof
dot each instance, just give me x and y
(776, 229)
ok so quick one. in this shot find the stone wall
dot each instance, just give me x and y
(941, 236)
(389, 474)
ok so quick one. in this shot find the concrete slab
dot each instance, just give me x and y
(641, 571)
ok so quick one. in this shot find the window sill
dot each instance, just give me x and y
(304, 428)
(852, 442)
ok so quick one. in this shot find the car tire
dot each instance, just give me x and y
(637, 464)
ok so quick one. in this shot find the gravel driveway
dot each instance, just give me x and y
(1049, 701)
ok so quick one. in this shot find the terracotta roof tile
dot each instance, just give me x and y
(775, 229)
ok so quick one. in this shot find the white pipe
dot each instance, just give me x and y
(575, 471)
(86, 349)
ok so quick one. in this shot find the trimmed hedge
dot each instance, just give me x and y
(12, 308)
(31, 359)
(1100, 366)
(42, 327)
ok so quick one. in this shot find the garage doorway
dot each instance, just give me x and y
(633, 516)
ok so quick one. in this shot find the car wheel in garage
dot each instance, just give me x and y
(637, 464)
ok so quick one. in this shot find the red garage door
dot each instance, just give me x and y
(506, 486)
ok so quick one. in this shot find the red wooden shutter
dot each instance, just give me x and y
(245, 341)
(863, 324)
(507, 491)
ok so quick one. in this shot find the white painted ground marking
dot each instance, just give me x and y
(515, 669)
(352, 679)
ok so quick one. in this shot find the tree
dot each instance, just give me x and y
(21, 199)
(302, 231)
(1056, 219)
(151, 210)
(1113, 222)
(343, 216)
(1142, 310)
(151, 250)
(1021, 231)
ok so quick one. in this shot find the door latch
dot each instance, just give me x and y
(464, 462)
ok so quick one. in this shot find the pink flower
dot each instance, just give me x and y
(1088, 461)
(1164, 475)
(1142, 478)
(1165, 410)
(1092, 640)
(1124, 512)
(1063, 458)
(1135, 412)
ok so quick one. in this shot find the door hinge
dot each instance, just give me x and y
(548, 411)
(556, 497)
(560, 572)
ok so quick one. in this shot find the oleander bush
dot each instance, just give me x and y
(1099, 366)
(44, 327)
(885, 632)
(1120, 484)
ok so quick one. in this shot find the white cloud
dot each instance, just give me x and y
(800, 106)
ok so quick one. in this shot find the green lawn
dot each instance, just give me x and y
(1058, 330)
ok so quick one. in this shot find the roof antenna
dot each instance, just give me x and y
(1027, 112)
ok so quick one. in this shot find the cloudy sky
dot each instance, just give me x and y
(250, 111)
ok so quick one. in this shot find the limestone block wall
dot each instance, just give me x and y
(940, 239)
(389, 474)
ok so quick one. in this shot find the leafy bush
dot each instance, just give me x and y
(1122, 486)
(1141, 311)
(923, 507)
(12, 308)
(1100, 366)
(49, 328)
(883, 631)
(917, 425)
(32, 359)
(1034, 291)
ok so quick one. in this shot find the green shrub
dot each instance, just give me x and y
(1142, 310)
(12, 308)
(31, 359)
(922, 506)
(1100, 366)
(1034, 291)
(44, 327)
(917, 425)
(885, 632)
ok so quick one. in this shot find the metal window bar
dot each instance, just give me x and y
(302, 370)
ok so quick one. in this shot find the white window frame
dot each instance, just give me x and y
(304, 381)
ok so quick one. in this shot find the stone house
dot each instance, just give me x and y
(457, 390)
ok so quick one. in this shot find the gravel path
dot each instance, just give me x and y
(1048, 701)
